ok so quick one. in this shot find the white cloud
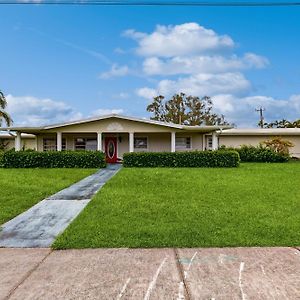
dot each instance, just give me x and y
(200, 84)
(104, 111)
(242, 110)
(179, 40)
(147, 93)
(201, 64)
(115, 71)
(32, 111)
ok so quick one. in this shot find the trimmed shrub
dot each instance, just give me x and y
(194, 159)
(259, 154)
(54, 159)
(1, 158)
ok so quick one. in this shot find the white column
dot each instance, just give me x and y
(215, 141)
(18, 141)
(173, 139)
(59, 141)
(99, 141)
(131, 141)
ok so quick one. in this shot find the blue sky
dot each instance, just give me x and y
(67, 62)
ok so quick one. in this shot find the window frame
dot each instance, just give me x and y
(85, 144)
(141, 137)
(63, 144)
(209, 142)
(182, 147)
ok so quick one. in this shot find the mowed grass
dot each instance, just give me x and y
(253, 205)
(22, 188)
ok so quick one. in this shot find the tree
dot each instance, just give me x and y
(279, 145)
(187, 110)
(3, 114)
(283, 124)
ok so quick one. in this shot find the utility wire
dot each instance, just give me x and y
(150, 3)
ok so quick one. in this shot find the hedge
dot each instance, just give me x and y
(260, 154)
(54, 159)
(208, 159)
(1, 158)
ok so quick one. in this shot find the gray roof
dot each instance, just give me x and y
(261, 131)
(148, 121)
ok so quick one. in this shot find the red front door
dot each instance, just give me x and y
(111, 149)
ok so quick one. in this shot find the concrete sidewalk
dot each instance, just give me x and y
(40, 225)
(211, 273)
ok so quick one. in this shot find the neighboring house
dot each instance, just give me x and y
(116, 135)
(236, 137)
(7, 140)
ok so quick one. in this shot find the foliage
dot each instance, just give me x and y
(253, 205)
(23, 188)
(3, 114)
(258, 154)
(279, 145)
(187, 110)
(283, 124)
(1, 158)
(209, 159)
(54, 159)
(3, 144)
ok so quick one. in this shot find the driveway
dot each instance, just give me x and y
(211, 273)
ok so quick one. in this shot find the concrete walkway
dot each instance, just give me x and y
(211, 273)
(38, 226)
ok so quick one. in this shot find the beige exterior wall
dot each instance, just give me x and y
(157, 142)
(27, 143)
(254, 140)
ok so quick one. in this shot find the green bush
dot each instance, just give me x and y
(259, 154)
(54, 159)
(1, 158)
(209, 159)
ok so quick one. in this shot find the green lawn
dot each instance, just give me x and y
(253, 205)
(22, 188)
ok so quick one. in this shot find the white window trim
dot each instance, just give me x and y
(179, 148)
(207, 143)
(141, 137)
(85, 138)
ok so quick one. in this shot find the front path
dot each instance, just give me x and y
(39, 226)
(196, 273)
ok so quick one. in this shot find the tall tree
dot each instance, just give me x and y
(187, 110)
(3, 114)
(283, 124)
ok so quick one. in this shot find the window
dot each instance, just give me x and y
(140, 143)
(183, 143)
(85, 144)
(209, 142)
(50, 144)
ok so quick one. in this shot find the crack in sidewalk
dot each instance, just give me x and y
(182, 277)
(26, 276)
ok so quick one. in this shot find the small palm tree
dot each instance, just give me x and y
(3, 114)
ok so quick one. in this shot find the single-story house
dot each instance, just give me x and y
(115, 135)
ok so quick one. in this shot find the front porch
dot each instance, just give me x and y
(116, 144)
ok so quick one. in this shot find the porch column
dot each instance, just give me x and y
(99, 141)
(18, 141)
(215, 141)
(131, 141)
(59, 141)
(173, 139)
